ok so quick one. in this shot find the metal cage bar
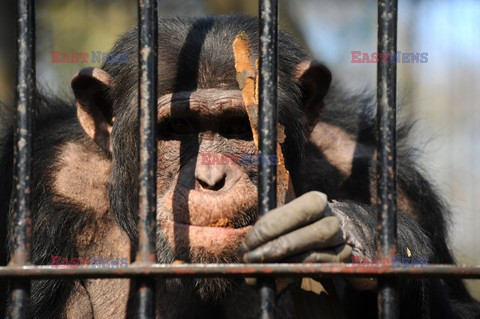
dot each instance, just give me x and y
(147, 184)
(25, 102)
(267, 123)
(387, 154)
(251, 270)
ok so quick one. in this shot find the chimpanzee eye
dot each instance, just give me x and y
(178, 126)
(238, 127)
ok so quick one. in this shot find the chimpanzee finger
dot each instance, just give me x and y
(302, 211)
(324, 233)
(341, 253)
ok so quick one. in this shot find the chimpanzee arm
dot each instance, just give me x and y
(358, 223)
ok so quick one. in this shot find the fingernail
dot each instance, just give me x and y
(242, 249)
(254, 256)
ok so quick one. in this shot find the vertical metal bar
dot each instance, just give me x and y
(387, 153)
(147, 112)
(267, 123)
(25, 101)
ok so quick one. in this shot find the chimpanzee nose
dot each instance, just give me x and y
(210, 177)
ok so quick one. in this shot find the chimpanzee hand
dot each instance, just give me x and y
(303, 230)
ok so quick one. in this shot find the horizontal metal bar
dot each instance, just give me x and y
(249, 270)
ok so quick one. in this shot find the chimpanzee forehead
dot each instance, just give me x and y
(199, 56)
(202, 102)
(197, 52)
(203, 74)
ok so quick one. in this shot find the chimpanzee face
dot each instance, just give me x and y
(207, 198)
(206, 201)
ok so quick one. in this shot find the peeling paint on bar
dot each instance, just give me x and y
(147, 113)
(25, 102)
(267, 126)
(386, 155)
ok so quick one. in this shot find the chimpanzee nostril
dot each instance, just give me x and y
(214, 186)
(210, 177)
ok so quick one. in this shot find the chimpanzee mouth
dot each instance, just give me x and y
(201, 217)
(197, 211)
(240, 221)
(186, 240)
(207, 228)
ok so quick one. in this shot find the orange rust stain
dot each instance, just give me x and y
(222, 222)
(246, 77)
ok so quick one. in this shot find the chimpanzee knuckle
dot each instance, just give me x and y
(310, 205)
(299, 212)
(256, 237)
(280, 248)
(270, 252)
(317, 198)
(271, 221)
(280, 221)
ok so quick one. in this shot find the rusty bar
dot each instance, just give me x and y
(387, 154)
(250, 270)
(25, 101)
(147, 112)
(267, 123)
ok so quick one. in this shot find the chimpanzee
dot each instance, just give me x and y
(85, 194)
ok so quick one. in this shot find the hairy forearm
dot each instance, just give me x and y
(358, 223)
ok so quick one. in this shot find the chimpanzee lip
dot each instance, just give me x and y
(212, 241)
(231, 209)
(220, 231)
(217, 226)
(210, 226)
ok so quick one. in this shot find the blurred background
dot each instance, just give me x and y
(440, 94)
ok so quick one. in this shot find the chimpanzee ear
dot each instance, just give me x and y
(315, 79)
(94, 110)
